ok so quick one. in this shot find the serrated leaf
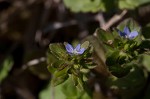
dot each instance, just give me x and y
(58, 50)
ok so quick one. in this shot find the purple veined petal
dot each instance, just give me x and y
(126, 30)
(77, 47)
(81, 51)
(121, 33)
(69, 48)
(133, 34)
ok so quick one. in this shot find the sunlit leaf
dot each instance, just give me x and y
(83, 6)
(131, 4)
(52, 92)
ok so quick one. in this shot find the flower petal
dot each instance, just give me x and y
(133, 34)
(81, 51)
(126, 30)
(77, 47)
(121, 33)
(69, 48)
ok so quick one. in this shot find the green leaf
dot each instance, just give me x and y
(112, 58)
(145, 44)
(60, 79)
(85, 78)
(90, 65)
(60, 76)
(72, 92)
(83, 6)
(52, 92)
(90, 5)
(119, 71)
(130, 85)
(63, 91)
(58, 50)
(103, 35)
(59, 64)
(146, 61)
(102, 5)
(117, 43)
(5, 68)
(133, 25)
(51, 58)
(61, 72)
(145, 31)
(51, 69)
(83, 70)
(85, 44)
(98, 48)
(80, 84)
(74, 79)
(131, 4)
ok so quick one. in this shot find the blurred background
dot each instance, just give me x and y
(27, 27)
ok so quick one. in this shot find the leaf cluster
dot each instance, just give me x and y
(63, 65)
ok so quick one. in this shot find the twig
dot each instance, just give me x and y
(100, 18)
(114, 19)
(33, 62)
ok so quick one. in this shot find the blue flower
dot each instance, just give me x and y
(74, 51)
(127, 34)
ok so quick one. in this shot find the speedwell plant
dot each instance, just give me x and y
(121, 56)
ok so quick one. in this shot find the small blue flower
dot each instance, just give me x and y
(74, 51)
(127, 34)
